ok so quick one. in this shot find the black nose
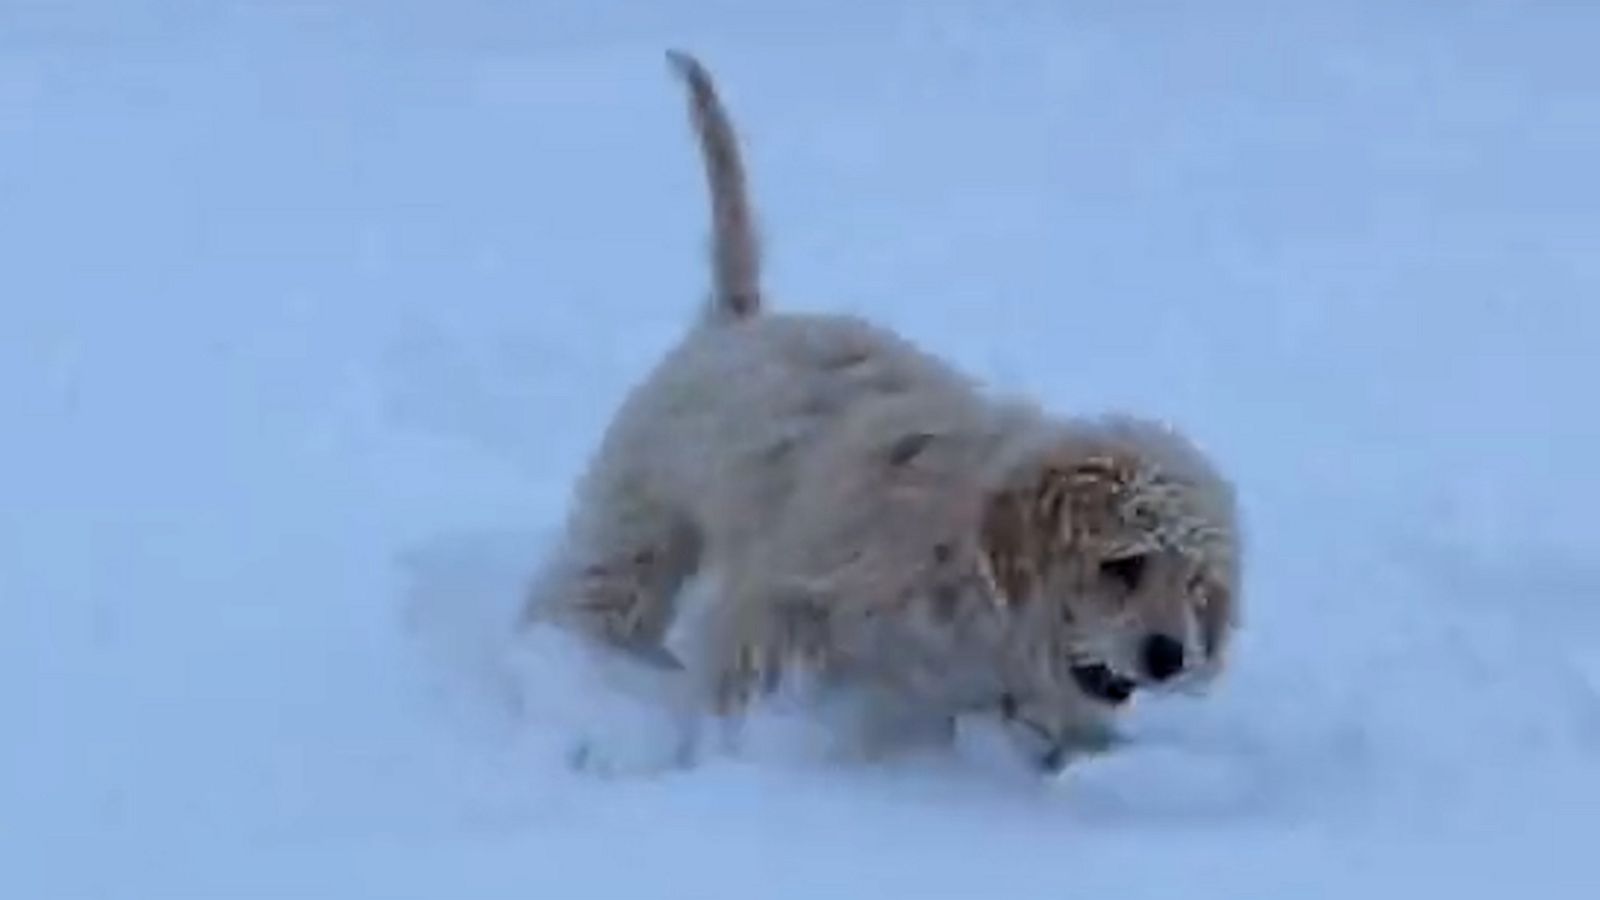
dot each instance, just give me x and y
(1163, 656)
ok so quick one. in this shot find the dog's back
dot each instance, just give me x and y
(718, 428)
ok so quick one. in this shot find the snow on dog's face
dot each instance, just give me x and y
(1116, 555)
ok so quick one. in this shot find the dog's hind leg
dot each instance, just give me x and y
(613, 585)
(617, 577)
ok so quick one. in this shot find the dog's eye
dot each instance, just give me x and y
(1126, 571)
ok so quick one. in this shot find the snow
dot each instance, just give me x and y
(310, 312)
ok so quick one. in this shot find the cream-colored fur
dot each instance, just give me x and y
(870, 515)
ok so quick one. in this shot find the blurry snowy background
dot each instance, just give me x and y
(310, 311)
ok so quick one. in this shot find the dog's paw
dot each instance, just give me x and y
(600, 712)
(619, 740)
(607, 756)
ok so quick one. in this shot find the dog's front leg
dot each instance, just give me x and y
(761, 639)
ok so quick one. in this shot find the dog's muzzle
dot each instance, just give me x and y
(1098, 681)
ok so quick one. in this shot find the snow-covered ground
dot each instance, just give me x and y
(309, 313)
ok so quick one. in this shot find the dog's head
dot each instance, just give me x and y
(1115, 550)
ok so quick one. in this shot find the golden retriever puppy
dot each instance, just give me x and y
(867, 514)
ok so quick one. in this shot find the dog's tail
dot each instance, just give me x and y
(735, 246)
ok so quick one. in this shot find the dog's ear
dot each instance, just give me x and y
(1060, 510)
(1008, 541)
(1087, 497)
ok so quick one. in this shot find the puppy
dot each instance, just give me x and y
(869, 515)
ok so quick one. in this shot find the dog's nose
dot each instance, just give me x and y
(1163, 656)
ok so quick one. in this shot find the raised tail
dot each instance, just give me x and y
(735, 246)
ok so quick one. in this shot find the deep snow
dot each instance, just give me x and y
(309, 313)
